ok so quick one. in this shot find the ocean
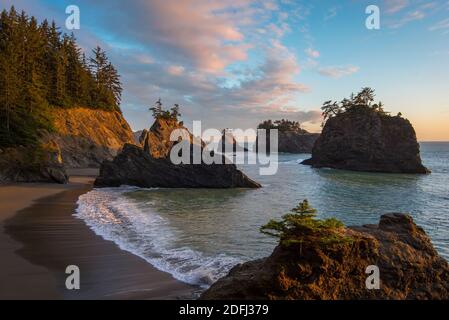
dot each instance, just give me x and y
(197, 235)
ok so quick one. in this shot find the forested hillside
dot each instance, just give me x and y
(42, 68)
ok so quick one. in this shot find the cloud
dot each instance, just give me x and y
(409, 17)
(441, 25)
(394, 6)
(196, 53)
(176, 70)
(312, 53)
(338, 71)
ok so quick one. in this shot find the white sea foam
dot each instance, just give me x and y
(115, 217)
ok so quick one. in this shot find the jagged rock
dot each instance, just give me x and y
(410, 267)
(228, 143)
(149, 164)
(133, 166)
(157, 139)
(41, 163)
(368, 141)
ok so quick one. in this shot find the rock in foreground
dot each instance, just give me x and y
(410, 268)
(366, 140)
(134, 166)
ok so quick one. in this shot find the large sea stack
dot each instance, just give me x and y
(149, 165)
(320, 268)
(363, 137)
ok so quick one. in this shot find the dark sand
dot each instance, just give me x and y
(47, 238)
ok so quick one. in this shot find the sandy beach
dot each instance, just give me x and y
(39, 238)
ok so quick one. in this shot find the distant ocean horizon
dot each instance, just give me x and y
(197, 235)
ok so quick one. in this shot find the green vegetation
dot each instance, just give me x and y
(363, 101)
(282, 125)
(300, 225)
(42, 69)
(159, 112)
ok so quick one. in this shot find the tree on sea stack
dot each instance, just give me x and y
(159, 112)
(301, 224)
(359, 102)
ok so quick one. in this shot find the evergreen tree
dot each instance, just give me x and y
(41, 69)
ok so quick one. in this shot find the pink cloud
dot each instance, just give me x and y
(175, 70)
(198, 29)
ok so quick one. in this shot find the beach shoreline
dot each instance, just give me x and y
(40, 237)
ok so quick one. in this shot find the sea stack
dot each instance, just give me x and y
(362, 137)
(149, 164)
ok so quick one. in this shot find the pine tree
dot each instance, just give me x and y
(42, 69)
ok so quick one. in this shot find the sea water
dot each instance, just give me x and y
(197, 235)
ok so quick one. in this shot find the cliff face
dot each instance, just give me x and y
(409, 266)
(368, 141)
(87, 137)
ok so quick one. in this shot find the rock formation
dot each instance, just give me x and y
(149, 165)
(291, 137)
(410, 268)
(42, 163)
(296, 142)
(228, 143)
(366, 140)
(157, 142)
(87, 137)
(134, 166)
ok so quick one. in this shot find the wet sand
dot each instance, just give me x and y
(40, 237)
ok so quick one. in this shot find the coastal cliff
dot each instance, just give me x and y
(318, 267)
(87, 137)
(80, 138)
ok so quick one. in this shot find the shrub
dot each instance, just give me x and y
(300, 225)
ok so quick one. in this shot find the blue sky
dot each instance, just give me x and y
(234, 63)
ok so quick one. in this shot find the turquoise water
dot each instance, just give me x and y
(198, 235)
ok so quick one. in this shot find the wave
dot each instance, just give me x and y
(134, 228)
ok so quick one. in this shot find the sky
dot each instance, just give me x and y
(234, 63)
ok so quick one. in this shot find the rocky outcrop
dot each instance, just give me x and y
(137, 167)
(42, 163)
(368, 141)
(228, 143)
(157, 141)
(87, 137)
(409, 266)
(149, 164)
(296, 142)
